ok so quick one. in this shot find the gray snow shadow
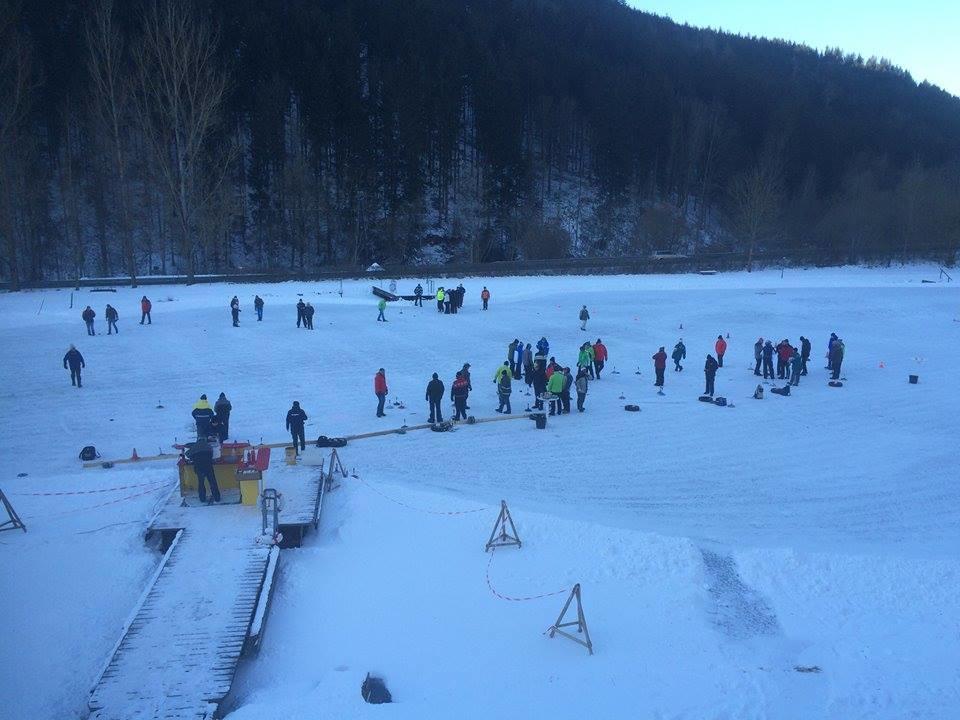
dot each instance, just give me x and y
(739, 611)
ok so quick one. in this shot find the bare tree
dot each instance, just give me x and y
(180, 97)
(757, 196)
(111, 101)
(16, 94)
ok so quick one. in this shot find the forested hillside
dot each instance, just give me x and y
(140, 136)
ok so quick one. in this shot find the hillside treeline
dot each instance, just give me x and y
(166, 136)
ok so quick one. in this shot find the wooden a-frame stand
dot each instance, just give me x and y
(14, 521)
(580, 623)
(500, 537)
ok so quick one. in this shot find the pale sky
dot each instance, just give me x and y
(921, 36)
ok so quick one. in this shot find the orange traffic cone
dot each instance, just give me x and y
(134, 456)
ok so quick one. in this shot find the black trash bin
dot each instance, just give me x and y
(541, 420)
(914, 379)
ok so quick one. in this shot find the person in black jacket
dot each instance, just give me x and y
(222, 409)
(804, 353)
(434, 395)
(296, 417)
(768, 360)
(565, 395)
(112, 316)
(300, 308)
(74, 360)
(202, 413)
(710, 370)
(201, 455)
(418, 295)
(235, 311)
(538, 378)
(258, 306)
(308, 316)
(88, 315)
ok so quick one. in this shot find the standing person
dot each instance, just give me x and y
(222, 409)
(418, 296)
(839, 349)
(581, 385)
(112, 316)
(721, 347)
(202, 413)
(784, 353)
(434, 396)
(796, 366)
(485, 296)
(528, 364)
(511, 354)
(380, 390)
(599, 357)
(543, 349)
(583, 358)
(584, 316)
(768, 360)
(518, 360)
(710, 371)
(200, 453)
(461, 292)
(459, 392)
(830, 344)
(679, 353)
(804, 353)
(296, 418)
(504, 388)
(440, 299)
(258, 306)
(74, 361)
(300, 308)
(308, 312)
(235, 311)
(538, 379)
(381, 306)
(757, 355)
(145, 307)
(500, 371)
(555, 388)
(466, 376)
(567, 386)
(88, 315)
(659, 365)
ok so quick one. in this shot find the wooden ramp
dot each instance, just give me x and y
(179, 653)
(204, 607)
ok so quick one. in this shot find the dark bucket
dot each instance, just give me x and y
(914, 379)
(541, 420)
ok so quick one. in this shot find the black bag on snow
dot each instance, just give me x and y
(89, 453)
(721, 401)
(374, 691)
(324, 441)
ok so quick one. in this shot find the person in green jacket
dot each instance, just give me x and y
(382, 305)
(555, 388)
(505, 368)
(585, 359)
(593, 356)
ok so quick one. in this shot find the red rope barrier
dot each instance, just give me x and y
(517, 599)
(90, 492)
(100, 505)
(411, 507)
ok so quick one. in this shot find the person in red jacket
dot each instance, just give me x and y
(485, 296)
(659, 365)
(145, 307)
(599, 357)
(380, 389)
(784, 354)
(721, 348)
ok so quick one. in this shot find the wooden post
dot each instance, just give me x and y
(580, 622)
(502, 538)
(14, 522)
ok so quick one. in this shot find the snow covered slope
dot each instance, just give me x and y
(718, 548)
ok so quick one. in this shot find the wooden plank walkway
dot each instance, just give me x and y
(178, 656)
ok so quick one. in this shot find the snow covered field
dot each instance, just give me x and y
(719, 549)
